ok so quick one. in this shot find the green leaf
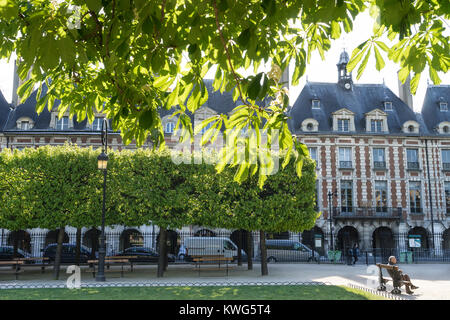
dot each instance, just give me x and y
(363, 65)
(147, 119)
(335, 30)
(94, 5)
(254, 87)
(357, 55)
(379, 60)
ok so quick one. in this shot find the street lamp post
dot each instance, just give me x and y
(330, 196)
(102, 165)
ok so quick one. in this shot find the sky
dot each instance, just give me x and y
(318, 70)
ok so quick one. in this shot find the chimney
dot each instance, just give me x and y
(15, 101)
(285, 77)
(16, 80)
(404, 91)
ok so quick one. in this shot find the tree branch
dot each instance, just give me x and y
(236, 78)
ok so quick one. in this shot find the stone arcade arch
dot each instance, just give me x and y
(383, 243)
(91, 240)
(52, 237)
(204, 233)
(422, 234)
(20, 239)
(346, 238)
(173, 242)
(309, 238)
(383, 238)
(130, 238)
(240, 238)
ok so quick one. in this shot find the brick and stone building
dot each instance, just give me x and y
(385, 168)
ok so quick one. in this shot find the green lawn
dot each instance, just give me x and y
(192, 293)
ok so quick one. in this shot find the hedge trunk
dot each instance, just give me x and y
(58, 254)
(264, 270)
(162, 252)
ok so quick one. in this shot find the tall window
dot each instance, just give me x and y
(313, 153)
(447, 197)
(412, 156)
(343, 125)
(443, 107)
(170, 126)
(345, 157)
(97, 124)
(446, 159)
(376, 125)
(62, 124)
(381, 196)
(378, 158)
(209, 125)
(346, 196)
(414, 197)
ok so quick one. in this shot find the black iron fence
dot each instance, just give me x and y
(287, 247)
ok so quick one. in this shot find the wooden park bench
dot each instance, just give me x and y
(41, 262)
(220, 261)
(108, 262)
(396, 280)
(15, 266)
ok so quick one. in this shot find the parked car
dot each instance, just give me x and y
(7, 253)
(144, 254)
(68, 254)
(289, 250)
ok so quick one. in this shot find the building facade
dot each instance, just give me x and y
(383, 170)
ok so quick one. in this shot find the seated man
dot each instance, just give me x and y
(397, 276)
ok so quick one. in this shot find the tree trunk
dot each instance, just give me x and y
(239, 245)
(264, 270)
(78, 246)
(249, 251)
(15, 245)
(57, 264)
(162, 252)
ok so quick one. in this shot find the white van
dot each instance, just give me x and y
(206, 246)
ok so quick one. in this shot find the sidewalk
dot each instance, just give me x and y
(433, 279)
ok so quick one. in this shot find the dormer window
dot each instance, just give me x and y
(310, 125)
(443, 127)
(376, 125)
(387, 106)
(315, 104)
(97, 124)
(62, 124)
(24, 123)
(343, 120)
(443, 106)
(343, 125)
(376, 121)
(411, 127)
(169, 127)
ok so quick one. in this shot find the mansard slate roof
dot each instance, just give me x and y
(361, 99)
(4, 111)
(431, 113)
(221, 103)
